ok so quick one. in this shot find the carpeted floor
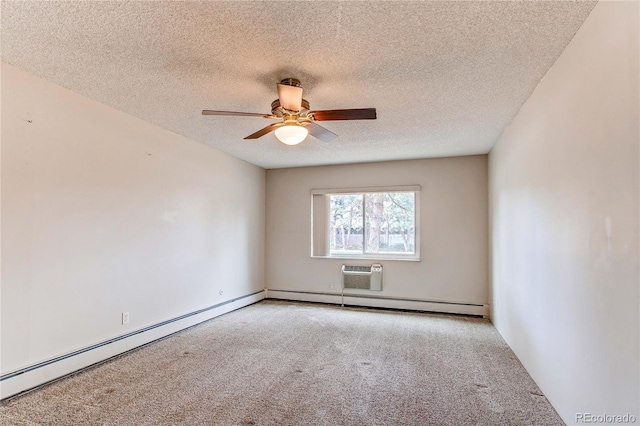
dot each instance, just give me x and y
(284, 363)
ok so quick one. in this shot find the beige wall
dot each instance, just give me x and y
(564, 222)
(453, 228)
(103, 213)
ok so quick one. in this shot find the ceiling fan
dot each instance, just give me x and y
(295, 118)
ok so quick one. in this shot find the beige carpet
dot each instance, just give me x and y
(282, 363)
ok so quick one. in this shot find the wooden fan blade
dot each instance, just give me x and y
(290, 97)
(319, 132)
(264, 131)
(345, 114)
(235, 114)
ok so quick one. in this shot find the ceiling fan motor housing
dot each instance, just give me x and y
(276, 109)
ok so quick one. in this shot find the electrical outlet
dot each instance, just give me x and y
(221, 291)
(125, 317)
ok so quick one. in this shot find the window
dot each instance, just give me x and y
(380, 223)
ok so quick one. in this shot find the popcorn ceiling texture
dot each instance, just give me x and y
(446, 77)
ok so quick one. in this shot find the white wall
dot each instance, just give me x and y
(103, 213)
(453, 228)
(564, 222)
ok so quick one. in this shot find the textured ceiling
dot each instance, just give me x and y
(446, 77)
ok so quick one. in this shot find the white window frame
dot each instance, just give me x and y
(320, 223)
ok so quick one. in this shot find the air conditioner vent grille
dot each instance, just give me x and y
(361, 282)
(348, 268)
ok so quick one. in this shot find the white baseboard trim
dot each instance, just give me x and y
(27, 378)
(372, 301)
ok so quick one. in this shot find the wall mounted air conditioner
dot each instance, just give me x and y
(362, 277)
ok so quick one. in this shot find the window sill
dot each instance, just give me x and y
(372, 258)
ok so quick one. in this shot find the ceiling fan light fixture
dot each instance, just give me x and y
(291, 134)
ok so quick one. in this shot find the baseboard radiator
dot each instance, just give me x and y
(362, 277)
(33, 376)
(372, 299)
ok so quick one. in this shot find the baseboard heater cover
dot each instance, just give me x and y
(377, 301)
(22, 380)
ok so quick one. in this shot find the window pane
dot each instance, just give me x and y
(390, 222)
(345, 224)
